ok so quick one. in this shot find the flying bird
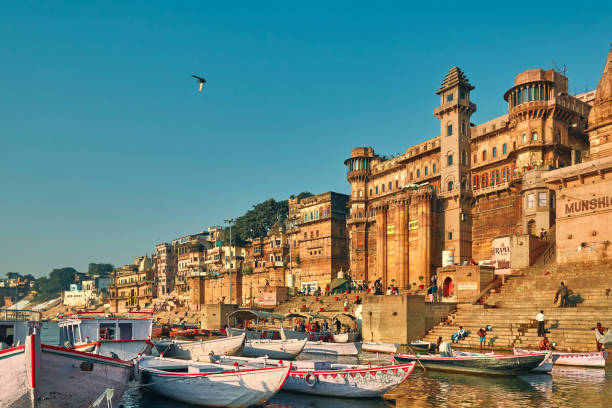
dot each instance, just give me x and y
(201, 80)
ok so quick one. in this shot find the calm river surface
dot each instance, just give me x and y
(564, 387)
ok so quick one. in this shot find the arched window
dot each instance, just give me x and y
(450, 186)
(450, 159)
(524, 137)
(433, 168)
(484, 155)
(426, 170)
(418, 173)
(494, 152)
(505, 149)
(449, 129)
(534, 136)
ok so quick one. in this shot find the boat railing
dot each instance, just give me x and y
(103, 314)
(21, 315)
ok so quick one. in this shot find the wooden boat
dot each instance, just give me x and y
(277, 349)
(494, 364)
(258, 318)
(421, 345)
(331, 349)
(379, 347)
(545, 366)
(197, 350)
(592, 359)
(337, 380)
(350, 337)
(212, 385)
(117, 337)
(41, 375)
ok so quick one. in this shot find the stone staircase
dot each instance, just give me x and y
(511, 309)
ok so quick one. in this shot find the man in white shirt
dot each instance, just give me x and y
(445, 349)
(540, 318)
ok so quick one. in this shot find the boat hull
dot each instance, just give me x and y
(484, 364)
(593, 359)
(379, 347)
(222, 389)
(48, 376)
(353, 383)
(193, 350)
(331, 349)
(124, 349)
(275, 349)
(346, 337)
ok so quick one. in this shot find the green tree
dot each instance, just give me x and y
(59, 279)
(102, 269)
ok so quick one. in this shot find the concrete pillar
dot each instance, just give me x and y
(424, 251)
(403, 245)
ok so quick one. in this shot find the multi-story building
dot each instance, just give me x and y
(165, 264)
(584, 191)
(190, 250)
(458, 191)
(321, 239)
(133, 286)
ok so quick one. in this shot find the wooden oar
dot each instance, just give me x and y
(417, 358)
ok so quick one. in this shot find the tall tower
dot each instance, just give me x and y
(454, 113)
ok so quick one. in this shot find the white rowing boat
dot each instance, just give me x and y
(351, 337)
(593, 359)
(379, 347)
(338, 380)
(40, 375)
(332, 349)
(277, 349)
(210, 385)
(195, 350)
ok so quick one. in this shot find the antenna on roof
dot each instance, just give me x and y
(557, 68)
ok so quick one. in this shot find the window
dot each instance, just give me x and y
(311, 216)
(559, 137)
(534, 136)
(433, 168)
(426, 170)
(376, 189)
(542, 199)
(449, 130)
(531, 201)
(485, 180)
(370, 192)
(383, 188)
(305, 217)
(316, 214)
(530, 94)
(536, 95)
(325, 211)
(475, 158)
(450, 236)
(418, 173)
(484, 155)
(494, 152)
(524, 137)
(475, 185)
(317, 233)
(463, 187)
(450, 160)
(390, 185)
(463, 128)
(411, 176)
(450, 186)
(449, 97)
(505, 149)
(463, 157)
(524, 95)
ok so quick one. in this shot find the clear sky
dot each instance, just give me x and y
(107, 148)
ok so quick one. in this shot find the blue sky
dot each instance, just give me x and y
(106, 147)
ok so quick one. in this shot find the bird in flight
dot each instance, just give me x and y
(201, 80)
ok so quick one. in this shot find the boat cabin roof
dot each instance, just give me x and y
(248, 314)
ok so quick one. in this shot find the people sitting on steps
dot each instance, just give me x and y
(545, 344)
(459, 335)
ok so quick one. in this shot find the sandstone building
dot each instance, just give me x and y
(460, 190)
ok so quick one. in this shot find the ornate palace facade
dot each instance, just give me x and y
(460, 190)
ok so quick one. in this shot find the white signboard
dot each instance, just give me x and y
(501, 254)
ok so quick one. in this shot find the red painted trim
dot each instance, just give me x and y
(93, 343)
(357, 370)
(497, 356)
(89, 355)
(161, 372)
(286, 376)
(32, 360)
(409, 372)
(124, 341)
(12, 349)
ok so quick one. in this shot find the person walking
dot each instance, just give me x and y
(563, 293)
(541, 319)
(338, 325)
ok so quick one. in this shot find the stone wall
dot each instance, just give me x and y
(214, 316)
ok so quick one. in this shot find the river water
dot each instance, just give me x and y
(564, 387)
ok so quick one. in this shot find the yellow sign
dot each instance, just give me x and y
(413, 224)
(390, 229)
